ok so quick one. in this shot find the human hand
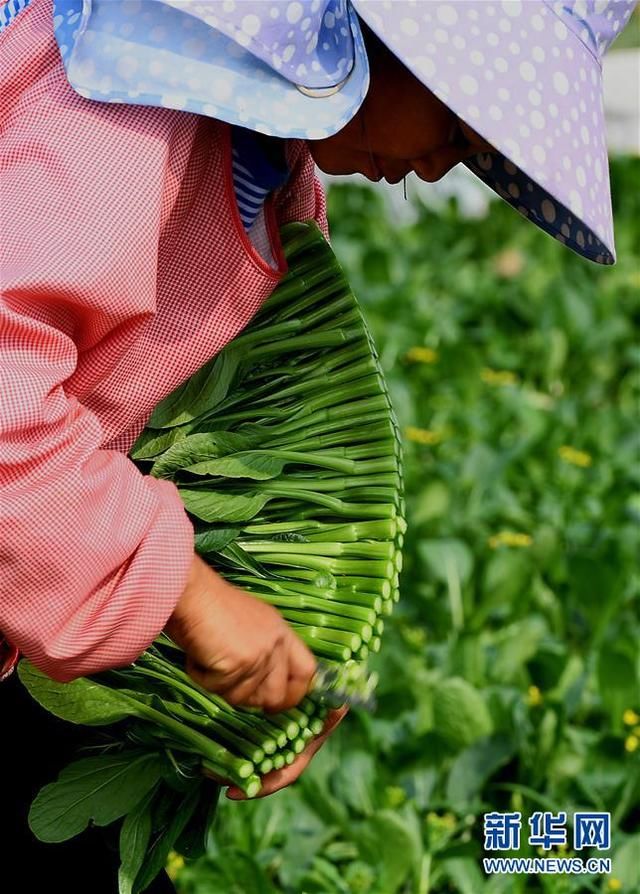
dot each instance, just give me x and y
(279, 779)
(238, 646)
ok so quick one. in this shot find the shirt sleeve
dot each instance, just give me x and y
(93, 554)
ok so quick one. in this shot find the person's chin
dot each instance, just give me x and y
(332, 167)
(344, 171)
(340, 167)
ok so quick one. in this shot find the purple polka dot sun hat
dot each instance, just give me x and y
(524, 74)
(527, 77)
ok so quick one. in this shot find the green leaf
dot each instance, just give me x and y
(558, 348)
(514, 646)
(318, 796)
(590, 577)
(305, 839)
(153, 441)
(171, 812)
(618, 680)
(80, 701)
(446, 558)
(134, 841)
(355, 781)
(507, 576)
(254, 464)
(236, 872)
(465, 875)
(471, 770)
(625, 863)
(97, 789)
(192, 841)
(385, 841)
(212, 540)
(196, 449)
(216, 506)
(322, 877)
(239, 558)
(431, 502)
(460, 713)
(199, 394)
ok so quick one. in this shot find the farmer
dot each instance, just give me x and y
(149, 151)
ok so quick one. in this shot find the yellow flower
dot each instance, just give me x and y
(421, 354)
(498, 376)
(510, 538)
(175, 862)
(422, 435)
(631, 743)
(614, 884)
(574, 457)
(395, 796)
(508, 263)
(435, 820)
(630, 718)
(534, 696)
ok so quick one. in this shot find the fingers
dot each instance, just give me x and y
(280, 684)
(235, 688)
(289, 679)
(291, 670)
(272, 694)
(302, 667)
(242, 649)
(279, 779)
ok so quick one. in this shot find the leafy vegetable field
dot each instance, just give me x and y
(510, 676)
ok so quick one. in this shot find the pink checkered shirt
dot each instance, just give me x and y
(124, 266)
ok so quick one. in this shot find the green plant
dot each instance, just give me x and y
(515, 372)
(296, 491)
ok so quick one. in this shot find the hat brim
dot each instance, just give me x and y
(206, 72)
(528, 85)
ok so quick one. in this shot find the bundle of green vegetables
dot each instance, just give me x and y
(286, 453)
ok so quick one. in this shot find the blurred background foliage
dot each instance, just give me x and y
(510, 675)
